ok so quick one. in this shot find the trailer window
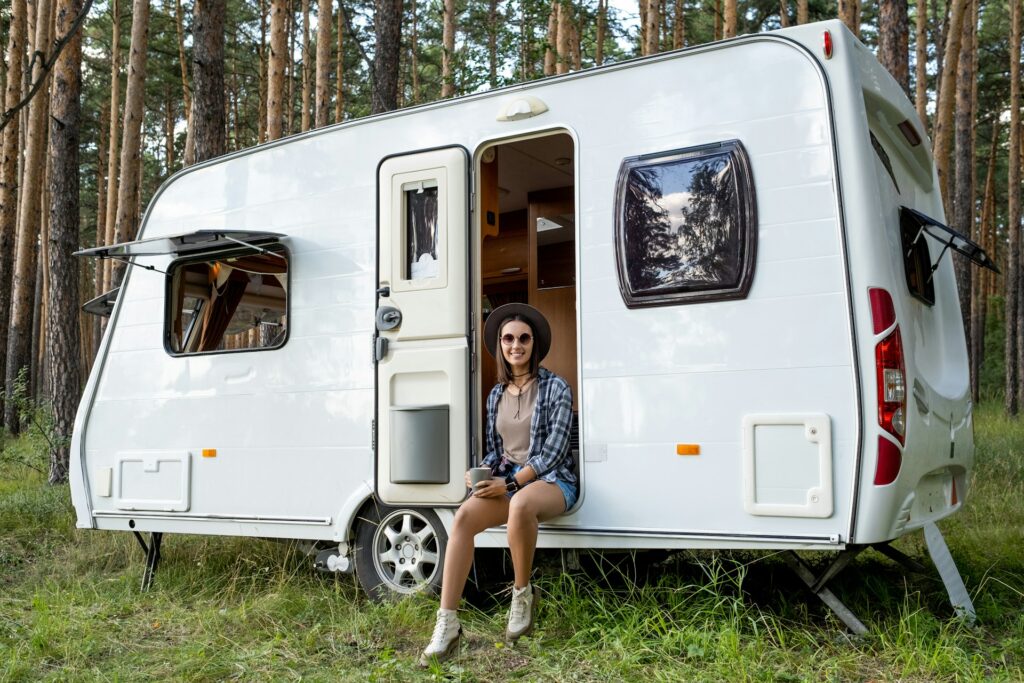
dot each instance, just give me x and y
(917, 261)
(686, 226)
(421, 260)
(228, 302)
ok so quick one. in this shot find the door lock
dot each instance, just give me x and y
(388, 318)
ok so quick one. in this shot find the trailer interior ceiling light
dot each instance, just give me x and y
(826, 44)
(949, 238)
(522, 107)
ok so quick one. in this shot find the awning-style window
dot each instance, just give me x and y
(103, 304)
(188, 244)
(949, 238)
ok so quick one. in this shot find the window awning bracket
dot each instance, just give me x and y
(949, 238)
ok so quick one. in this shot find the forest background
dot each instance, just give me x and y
(103, 100)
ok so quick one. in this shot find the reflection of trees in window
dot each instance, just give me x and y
(422, 232)
(686, 225)
(680, 225)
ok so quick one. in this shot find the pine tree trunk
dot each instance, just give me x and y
(339, 76)
(128, 193)
(947, 98)
(492, 43)
(92, 341)
(20, 330)
(783, 13)
(602, 22)
(275, 77)
(562, 45)
(261, 125)
(1014, 320)
(718, 19)
(179, 23)
(802, 12)
(289, 72)
(963, 204)
(730, 19)
(9, 147)
(448, 49)
(387, 23)
(307, 76)
(414, 53)
(114, 153)
(549, 50)
(921, 62)
(170, 118)
(849, 10)
(63, 342)
(652, 34)
(894, 40)
(979, 294)
(208, 75)
(324, 24)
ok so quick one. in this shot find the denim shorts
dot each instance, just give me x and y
(568, 490)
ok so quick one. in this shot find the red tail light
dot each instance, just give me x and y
(889, 462)
(891, 382)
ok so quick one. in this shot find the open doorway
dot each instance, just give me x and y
(527, 246)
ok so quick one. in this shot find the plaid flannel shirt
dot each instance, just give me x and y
(549, 430)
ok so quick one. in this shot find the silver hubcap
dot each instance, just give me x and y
(405, 551)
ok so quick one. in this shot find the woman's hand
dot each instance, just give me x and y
(492, 488)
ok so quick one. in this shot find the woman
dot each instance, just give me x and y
(529, 413)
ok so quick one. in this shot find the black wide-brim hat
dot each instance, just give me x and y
(536, 320)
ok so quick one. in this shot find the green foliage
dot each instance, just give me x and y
(70, 607)
(37, 418)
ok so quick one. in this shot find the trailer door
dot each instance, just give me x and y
(422, 343)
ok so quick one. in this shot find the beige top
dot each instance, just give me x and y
(513, 421)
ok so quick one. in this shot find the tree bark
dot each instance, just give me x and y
(387, 24)
(784, 21)
(19, 331)
(92, 342)
(179, 23)
(339, 76)
(492, 43)
(730, 19)
(979, 294)
(210, 117)
(653, 33)
(602, 23)
(275, 77)
(562, 45)
(921, 59)
(963, 200)
(448, 49)
(802, 12)
(289, 71)
(947, 97)
(9, 146)
(261, 126)
(1014, 320)
(63, 342)
(894, 40)
(128, 193)
(322, 100)
(307, 76)
(549, 50)
(114, 153)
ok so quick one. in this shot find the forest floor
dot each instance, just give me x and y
(224, 608)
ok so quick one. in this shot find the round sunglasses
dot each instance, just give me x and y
(510, 339)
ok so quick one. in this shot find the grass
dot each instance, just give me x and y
(223, 608)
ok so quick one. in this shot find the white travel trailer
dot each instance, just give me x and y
(757, 316)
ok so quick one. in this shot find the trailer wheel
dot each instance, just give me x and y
(399, 550)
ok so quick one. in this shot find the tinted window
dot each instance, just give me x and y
(228, 302)
(421, 231)
(686, 226)
(917, 261)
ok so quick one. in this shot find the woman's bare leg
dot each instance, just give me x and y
(529, 507)
(475, 515)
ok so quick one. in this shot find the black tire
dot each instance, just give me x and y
(399, 551)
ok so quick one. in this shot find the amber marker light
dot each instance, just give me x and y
(209, 452)
(687, 449)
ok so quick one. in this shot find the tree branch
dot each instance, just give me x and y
(58, 47)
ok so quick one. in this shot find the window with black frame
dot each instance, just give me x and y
(686, 226)
(229, 302)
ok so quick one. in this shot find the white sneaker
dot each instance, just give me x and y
(520, 616)
(445, 641)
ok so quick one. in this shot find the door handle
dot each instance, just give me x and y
(388, 318)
